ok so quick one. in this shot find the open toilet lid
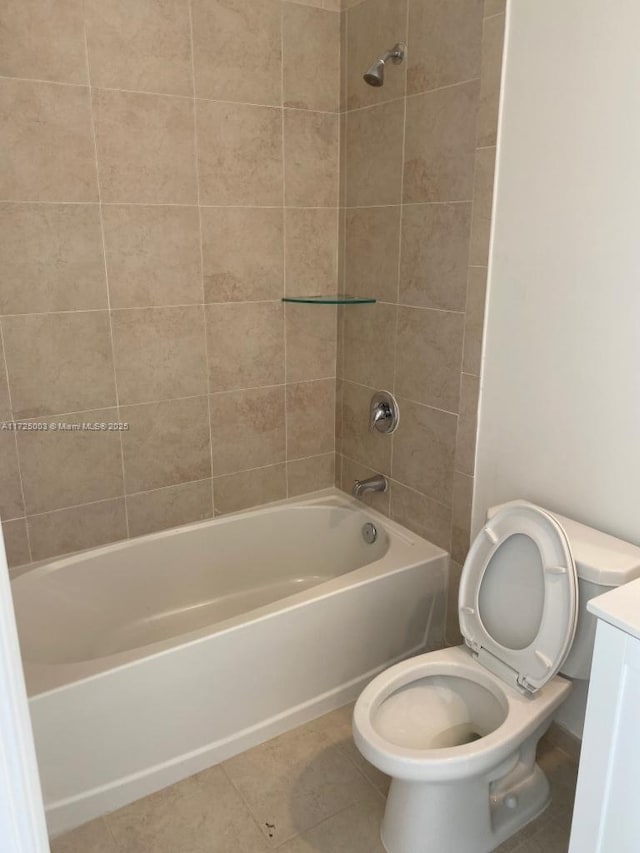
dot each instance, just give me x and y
(518, 595)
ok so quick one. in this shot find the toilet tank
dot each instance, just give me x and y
(602, 562)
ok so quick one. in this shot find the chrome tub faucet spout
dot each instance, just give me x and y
(378, 483)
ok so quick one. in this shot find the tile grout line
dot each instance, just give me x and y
(345, 754)
(409, 488)
(106, 272)
(446, 203)
(274, 465)
(400, 231)
(16, 447)
(174, 95)
(126, 203)
(166, 487)
(343, 190)
(54, 415)
(167, 307)
(24, 419)
(472, 228)
(494, 15)
(309, 828)
(243, 799)
(422, 307)
(112, 498)
(284, 257)
(201, 244)
(105, 821)
(344, 91)
(338, 229)
(340, 245)
(332, 816)
(413, 94)
(406, 399)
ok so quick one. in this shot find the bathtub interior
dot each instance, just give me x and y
(134, 594)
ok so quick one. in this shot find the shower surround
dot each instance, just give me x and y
(416, 192)
(170, 169)
(173, 168)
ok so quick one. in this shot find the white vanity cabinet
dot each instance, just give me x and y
(606, 817)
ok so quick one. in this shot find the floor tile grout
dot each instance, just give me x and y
(330, 745)
(111, 835)
(361, 772)
(243, 799)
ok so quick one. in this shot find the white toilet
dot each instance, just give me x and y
(457, 729)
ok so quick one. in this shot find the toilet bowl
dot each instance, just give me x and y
(459, 745)
(457, 729)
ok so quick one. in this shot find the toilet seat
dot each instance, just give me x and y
(523, 630)
(522, 715)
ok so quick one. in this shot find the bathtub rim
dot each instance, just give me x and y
(320, 496)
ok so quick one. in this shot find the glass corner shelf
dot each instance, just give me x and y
(331, 299)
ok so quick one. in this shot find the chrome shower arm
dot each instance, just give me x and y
(374, 76)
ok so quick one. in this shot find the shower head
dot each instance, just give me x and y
(374, 76)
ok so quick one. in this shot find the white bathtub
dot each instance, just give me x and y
(149, 660)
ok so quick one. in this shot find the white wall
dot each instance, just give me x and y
(560, 398)
(22, 821)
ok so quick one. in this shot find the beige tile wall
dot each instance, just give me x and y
(170, 170)
(417, 172)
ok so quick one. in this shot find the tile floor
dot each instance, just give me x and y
(307, 791)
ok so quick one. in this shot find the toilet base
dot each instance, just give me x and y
(471, 816)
